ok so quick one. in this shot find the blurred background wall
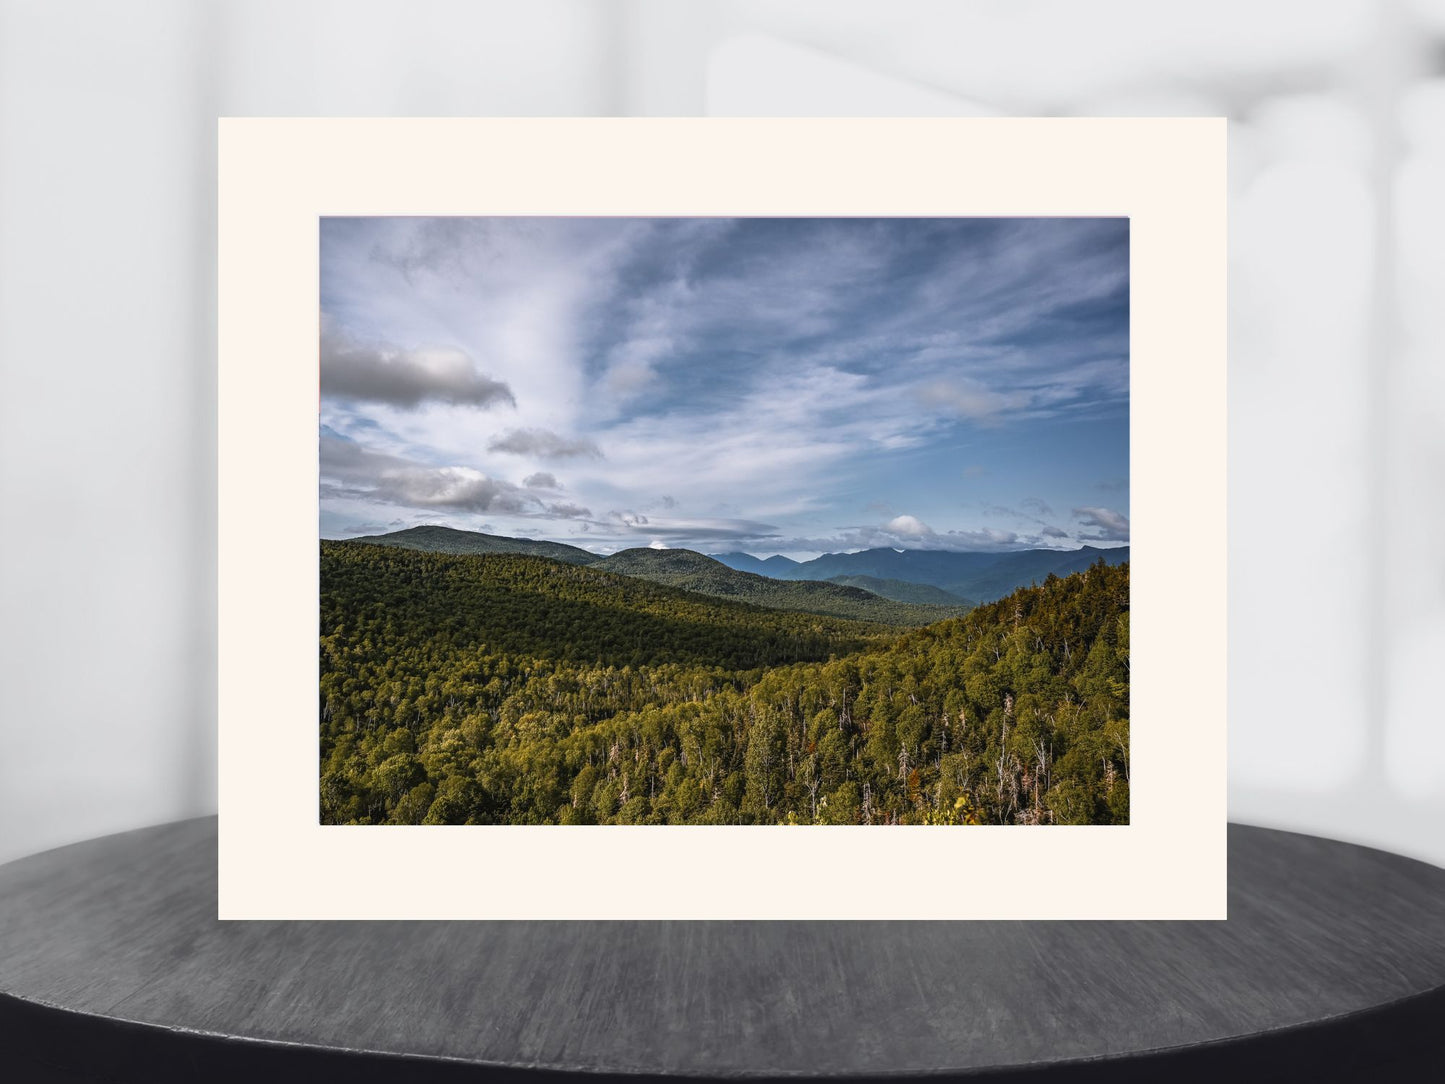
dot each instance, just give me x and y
(1337, 368)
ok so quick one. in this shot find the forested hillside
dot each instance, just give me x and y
(902, 591)
(507, 689)
(518, 605)
(694, 572)
(890, 602)
(433, 539)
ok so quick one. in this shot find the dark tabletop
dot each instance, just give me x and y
(113, 967)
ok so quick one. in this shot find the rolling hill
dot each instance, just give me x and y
(528, 606)
(432, 539)
(695, 572)
(902, 576)
(510, 689)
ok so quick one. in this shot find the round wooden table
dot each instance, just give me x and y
(113, 968)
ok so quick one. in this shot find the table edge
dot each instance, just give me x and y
(1396, 1034)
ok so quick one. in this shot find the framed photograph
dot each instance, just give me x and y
(719, 518)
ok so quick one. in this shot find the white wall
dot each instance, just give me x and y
(107, 393)
(106, 431)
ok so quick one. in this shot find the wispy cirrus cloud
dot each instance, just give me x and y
(765, 373)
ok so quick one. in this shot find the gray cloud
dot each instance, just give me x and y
(1036, 506)
(1109, 526)
(1054, 532)
(544, 443)
(908, 535)
(541, 480)
(569, 511)
(353, 472)
(636, 524)
(451, 487)
(357, 472)
(380, 373)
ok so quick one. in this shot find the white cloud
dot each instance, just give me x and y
(909, 527)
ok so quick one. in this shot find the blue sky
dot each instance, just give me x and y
(787, 386)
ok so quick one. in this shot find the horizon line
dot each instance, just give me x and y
(1097, 545)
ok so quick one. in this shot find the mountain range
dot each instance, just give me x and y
(695, 572)
(521, 605)
(982, 577)
(891, 586)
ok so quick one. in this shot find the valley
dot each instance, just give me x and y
(464, 682)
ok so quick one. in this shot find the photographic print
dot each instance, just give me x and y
(781, 521)
(666, 518)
